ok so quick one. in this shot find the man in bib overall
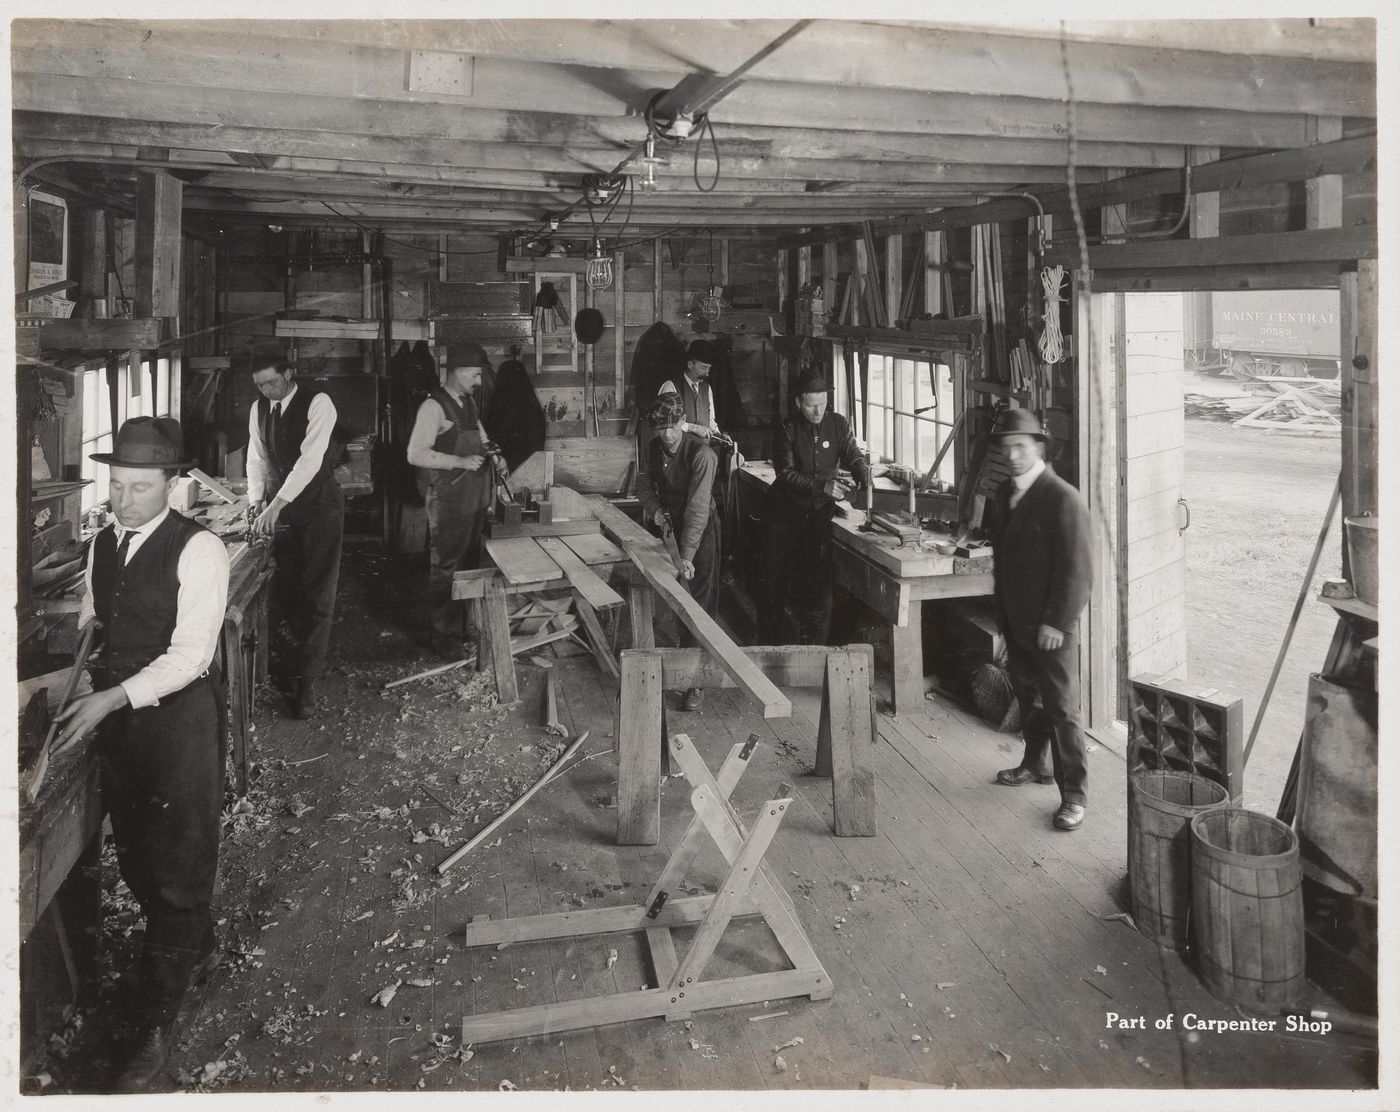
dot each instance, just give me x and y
(449, 443)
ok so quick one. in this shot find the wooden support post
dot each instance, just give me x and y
(1205, 207)
(907, 661)
(1360, 381)
(1324, 194)
(594, 629)
(158, 208)
(639, 750)
(641, 613)
(847, 734)
(495, 632)
(619, 330)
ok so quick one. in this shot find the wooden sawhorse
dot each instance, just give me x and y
(750, 887)
(845, 737)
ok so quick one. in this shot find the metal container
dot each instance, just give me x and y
(1363, 548)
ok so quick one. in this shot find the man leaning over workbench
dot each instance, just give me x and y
(157, 585)
(293, 497)
(449, 444)
(808, 449)
(676, 496)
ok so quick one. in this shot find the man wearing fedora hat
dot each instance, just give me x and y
(1042, 576)
(156, 586)
(295, 499)
(676, 492)
(808, 450)
(449, 443)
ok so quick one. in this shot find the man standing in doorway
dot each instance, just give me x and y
(449, 443)
(808, 449)
(676, 496)
(157, 585)
(294, 499)
(1043, 573)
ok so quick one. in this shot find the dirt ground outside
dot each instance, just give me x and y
(1257, 503)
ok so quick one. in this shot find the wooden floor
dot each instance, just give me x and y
(969, 943)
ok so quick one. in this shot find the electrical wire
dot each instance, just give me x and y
(695, 167)
(1052, 342)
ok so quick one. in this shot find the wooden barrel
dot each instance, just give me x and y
(1247, 906)
(1161, 805)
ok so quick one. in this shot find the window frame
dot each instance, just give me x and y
(158, 395)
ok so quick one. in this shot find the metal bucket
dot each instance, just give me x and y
(1363, 549)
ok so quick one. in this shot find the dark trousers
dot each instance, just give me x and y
(703, 586)
(308, 571)
(163, 786)
(794, 604)
(455, 524)
(1047, 691)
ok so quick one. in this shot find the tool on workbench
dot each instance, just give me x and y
(48, 752)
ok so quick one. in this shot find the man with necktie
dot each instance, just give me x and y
(1041, 581)
(156, 586)
(295, 499)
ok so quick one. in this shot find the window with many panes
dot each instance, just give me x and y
(153, 392)
(905, 410)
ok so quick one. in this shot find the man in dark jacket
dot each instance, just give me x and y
(807, 451)
(449, 443)
(294, 497)
(156, 587)
(1043, 572)
(675, 493)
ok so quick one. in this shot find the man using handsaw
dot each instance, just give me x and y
(676, 496)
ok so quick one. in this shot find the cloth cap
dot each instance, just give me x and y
(810, 382)
(147, 442)
(1019, 422)
(667, 411)
(700, 351)
(464, 353)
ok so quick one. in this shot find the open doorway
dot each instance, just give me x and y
(1229, 450)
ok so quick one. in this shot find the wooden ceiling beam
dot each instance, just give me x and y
(510, 156)
(935, 59)
(128, 100)
(251, 63)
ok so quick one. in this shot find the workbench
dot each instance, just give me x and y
(892, 580)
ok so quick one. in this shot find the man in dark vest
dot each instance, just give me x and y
(675, 493)
(1042, 576)
(449, 443)
(693, 388)
(295, 499)
(157, 585)
(795, 607)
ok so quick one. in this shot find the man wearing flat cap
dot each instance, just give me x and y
(808, 451)
(676, 494)
(1042, 576)
(449, 443)
(156, 586)
(295, 499)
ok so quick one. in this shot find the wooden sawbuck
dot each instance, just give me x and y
(749, 887)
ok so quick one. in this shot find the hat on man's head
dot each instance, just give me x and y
(701, 351)
(147, 442)
(811, 382)
(1019, 422)
(667, 411)
(464, 353)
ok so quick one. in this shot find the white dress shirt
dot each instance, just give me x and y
(199, 614)
(700, 390)
(1022, 483)
(320, 423)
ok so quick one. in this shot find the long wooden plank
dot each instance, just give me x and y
(1337, 245)
(594, 548)
(847, 723)
(651, 560)
(521, 560)
(580, 576)
(535, 529)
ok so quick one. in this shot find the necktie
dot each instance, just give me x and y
(273, 419)
(122, 547)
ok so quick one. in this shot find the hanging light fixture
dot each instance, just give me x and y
(710, 305)
(599, 274)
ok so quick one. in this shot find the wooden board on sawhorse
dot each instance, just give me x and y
(845, 742)
(749, 887)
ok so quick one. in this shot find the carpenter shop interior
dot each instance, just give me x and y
(696, 554)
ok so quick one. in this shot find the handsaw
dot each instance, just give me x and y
(668, 536)
(41, 766)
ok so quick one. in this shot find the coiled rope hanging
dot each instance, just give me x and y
(1052, 343)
